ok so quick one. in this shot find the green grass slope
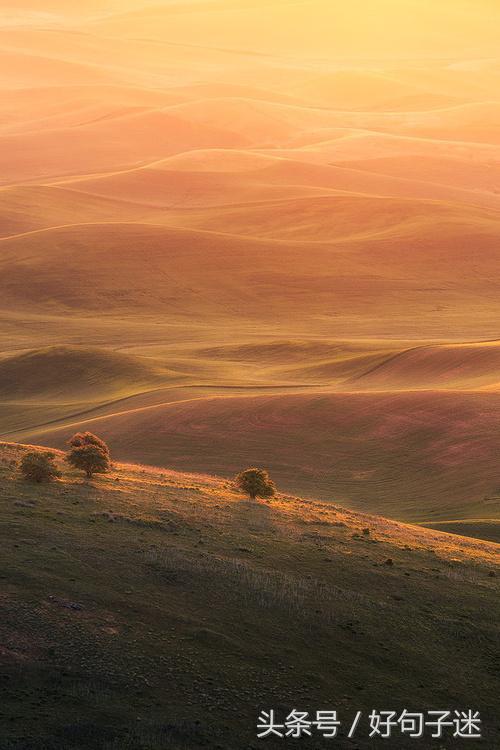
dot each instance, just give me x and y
(149, 610)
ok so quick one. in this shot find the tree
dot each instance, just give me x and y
(88, 438)
(39, 467)
(89, 454)
(256, 483)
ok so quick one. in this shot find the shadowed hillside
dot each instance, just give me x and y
(180, 609)
(68, 373)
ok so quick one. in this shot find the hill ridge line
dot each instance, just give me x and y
(430, 534)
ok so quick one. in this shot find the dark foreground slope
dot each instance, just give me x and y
(151, 610)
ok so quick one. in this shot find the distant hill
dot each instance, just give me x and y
(327, 285)
(450, 366)
(77, 373)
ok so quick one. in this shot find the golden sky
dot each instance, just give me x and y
(317, 28)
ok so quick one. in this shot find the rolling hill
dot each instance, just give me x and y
(65, 373)
(105, 145)
(468, 174)
(337, 218)
(401, 430)
(31, 207)
(218, 177)
(89, 267)
(451, 366)
(419, 457)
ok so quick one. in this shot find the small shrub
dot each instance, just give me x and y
(39, 467)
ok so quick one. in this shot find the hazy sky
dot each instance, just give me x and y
(318, 28)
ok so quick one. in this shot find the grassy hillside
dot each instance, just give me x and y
(149, 610)
(414, 456)
(407, 431)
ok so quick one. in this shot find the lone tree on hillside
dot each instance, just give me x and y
(89, 454)
(256, 483)
(39, 467)
(88, 438)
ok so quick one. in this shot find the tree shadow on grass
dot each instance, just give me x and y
(256, 516)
